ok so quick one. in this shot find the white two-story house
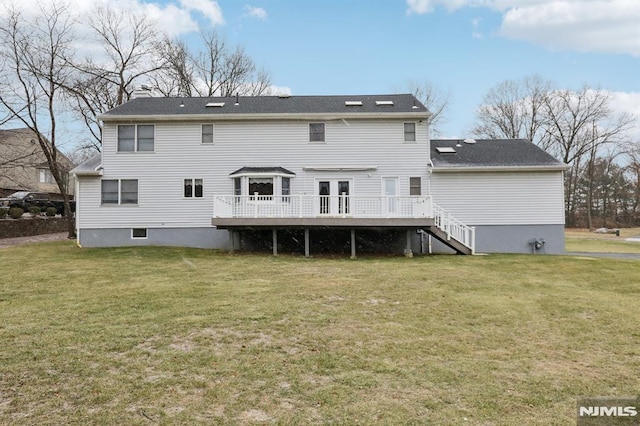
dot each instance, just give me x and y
(297, 170)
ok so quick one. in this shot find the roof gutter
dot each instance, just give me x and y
(423, 115)
(454, 169)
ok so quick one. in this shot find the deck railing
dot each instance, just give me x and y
(355, 206)
(267, 206)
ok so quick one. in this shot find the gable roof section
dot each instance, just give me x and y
(267, 107)
(491, 154)
(89, 167)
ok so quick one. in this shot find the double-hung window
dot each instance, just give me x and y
(207, 134)
(316, 132)
(409, 132)
(136, 138)
(415, 186)
(193, 188)
(119, 191)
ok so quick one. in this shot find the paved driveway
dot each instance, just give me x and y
(10, 242)
(630, 256)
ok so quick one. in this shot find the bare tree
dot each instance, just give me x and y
(579, 123)
(514, 109)
(34, 69)
(130, 46)
(434, 98)
(215, 70)
(176, 78)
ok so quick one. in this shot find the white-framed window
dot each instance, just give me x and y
(207, 134)
(193, 188)
(415, 186)
(409, 132)
(261, 186)
(316, 132)
(139, 233)
(45, 176)
(119, 191)
(136, 138)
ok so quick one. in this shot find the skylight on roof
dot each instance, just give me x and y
(215, 104)
(353, 103)
(445, 150)
(384, 103)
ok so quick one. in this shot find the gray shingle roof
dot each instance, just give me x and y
(89, 166)
(491, 153)
(402, 103)
(266, 170)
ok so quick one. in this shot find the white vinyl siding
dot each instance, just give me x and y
(501, 198)
(180, 154)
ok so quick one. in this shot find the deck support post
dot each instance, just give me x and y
(232, 241)
(353, 244)
(407, 251)
(274, 233)
(306, 242)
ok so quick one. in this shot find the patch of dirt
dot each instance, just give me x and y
(11, 242)
(254, 416)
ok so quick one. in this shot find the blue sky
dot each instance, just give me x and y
(461, 46)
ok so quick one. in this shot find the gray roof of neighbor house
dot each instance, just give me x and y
(486, 154)
(90, 167)
(252, 106)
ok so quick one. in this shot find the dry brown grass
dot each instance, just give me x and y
(181, 336)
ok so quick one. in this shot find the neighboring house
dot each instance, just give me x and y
(23, 165)
(213, 172)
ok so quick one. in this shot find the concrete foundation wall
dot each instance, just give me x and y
(513, 239)
(489, 239)
(178, 237)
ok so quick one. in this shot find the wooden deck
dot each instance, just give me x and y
(321, 222)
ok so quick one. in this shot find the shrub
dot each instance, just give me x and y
(35, 211)
(51, 211)
(16, 212)
(3, 212)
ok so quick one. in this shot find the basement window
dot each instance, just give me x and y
(445, 150)
(139, 233)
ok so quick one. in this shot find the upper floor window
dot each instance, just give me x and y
(409, 132)
(207, 133)
(136, 137)
(45, 176)
(316, 132)
(193, 188)
(119, 191)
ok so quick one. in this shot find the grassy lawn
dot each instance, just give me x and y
(582, 240)
(165, 336)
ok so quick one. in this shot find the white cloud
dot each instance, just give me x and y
(476, 33)
(419, 7)
(256, 12)
(610, 26)
(627, 103)
(210, 9)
